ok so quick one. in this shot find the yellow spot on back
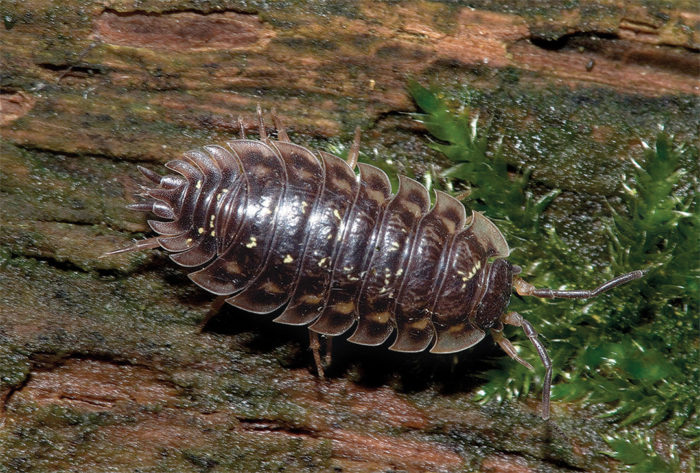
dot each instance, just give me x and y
(456, 328)
(288, 259)
(344, 307)
(200, 230)
(233, 267)
(188, 241)
(473, 271)
(322, 262)
(379, 317)
(419, 324)
(271, 288)
(311, 299)
(199, 184)
(336, 214)
(252, 243)
(303, 206)
(213, 233)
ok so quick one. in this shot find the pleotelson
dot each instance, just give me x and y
(277, 224)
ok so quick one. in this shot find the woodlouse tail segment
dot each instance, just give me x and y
(526, 289)
(515, 319)
(150, 175)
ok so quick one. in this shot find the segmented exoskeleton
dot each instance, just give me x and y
(276, 224)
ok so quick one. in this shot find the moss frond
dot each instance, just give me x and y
(635, 349)
(635, 449)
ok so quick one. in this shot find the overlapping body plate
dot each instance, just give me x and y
(386, 268)
(424, 272)
(243, 260)
(328, 222)
(340, 312)
(271, 289)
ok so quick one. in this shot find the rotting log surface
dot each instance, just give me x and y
(103, 365)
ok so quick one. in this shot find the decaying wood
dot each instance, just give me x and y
(102, 362)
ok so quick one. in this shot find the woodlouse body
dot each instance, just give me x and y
(276, 224)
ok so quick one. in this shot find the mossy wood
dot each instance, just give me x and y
(102, 361)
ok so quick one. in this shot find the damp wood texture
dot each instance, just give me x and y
(102, 360)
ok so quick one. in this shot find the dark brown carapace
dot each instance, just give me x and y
(276, 224)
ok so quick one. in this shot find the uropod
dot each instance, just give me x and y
(270, 224)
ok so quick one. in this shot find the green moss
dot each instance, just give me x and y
(635, 449)
(635, 349)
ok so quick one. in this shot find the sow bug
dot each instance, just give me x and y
(280, 225)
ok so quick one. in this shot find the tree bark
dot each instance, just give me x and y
(103, 363)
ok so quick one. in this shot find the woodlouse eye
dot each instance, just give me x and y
(517, 269)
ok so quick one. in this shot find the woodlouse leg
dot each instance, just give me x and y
(517, 320)
(241, 127)
(463, 195)
(315, 345)
(216, 306)
(261, 125)
(146, 244)
(508, 347)
(329, 351)
(526, 289)
(354, 149)
(281, 132)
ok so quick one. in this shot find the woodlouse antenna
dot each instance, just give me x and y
(146, 244)
(526, 289)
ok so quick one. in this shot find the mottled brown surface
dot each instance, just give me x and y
(103, 365)
(186, 31)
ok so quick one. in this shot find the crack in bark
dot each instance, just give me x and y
(49, 362)
(202, 12)
(68, 68)
(271, 425)
(613, 46)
